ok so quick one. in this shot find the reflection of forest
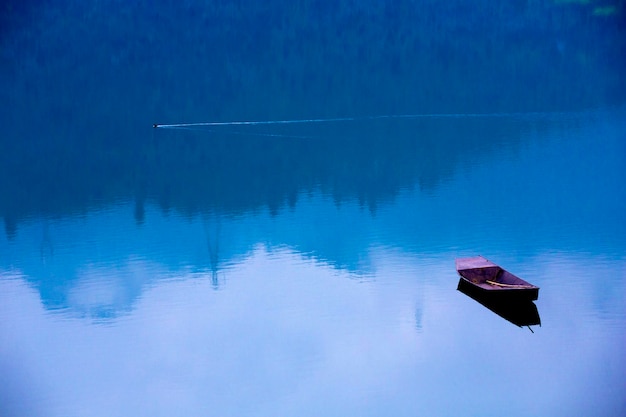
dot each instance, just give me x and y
(231, 173)
(77, 134)
(367, 160)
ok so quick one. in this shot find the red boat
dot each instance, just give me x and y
(483, 278)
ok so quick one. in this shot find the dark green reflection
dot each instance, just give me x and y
(230, 171)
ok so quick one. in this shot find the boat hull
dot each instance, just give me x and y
(505, 295)
(483, 278)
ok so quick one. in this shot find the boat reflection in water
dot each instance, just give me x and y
(521, 312)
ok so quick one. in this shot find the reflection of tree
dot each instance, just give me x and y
(212, 229)
(46, 248)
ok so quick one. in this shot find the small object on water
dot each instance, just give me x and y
(508, 296)
(483, 277)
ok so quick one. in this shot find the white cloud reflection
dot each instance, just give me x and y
(288, 336)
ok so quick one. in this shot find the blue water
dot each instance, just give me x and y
(308, 268)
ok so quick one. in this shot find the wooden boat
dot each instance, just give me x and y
(485, 279)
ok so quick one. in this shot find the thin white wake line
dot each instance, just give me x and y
(262, 122)
(348, 119)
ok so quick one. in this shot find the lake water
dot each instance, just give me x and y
(307, 268)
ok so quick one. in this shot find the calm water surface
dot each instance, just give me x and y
(301, 269)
